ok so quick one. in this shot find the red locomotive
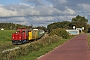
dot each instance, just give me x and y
(20, 36)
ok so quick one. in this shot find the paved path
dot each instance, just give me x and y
(74, 49)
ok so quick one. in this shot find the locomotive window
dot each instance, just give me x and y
(18, 31)
(23, 31)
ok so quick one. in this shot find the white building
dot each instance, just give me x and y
(2, 28)
(73, 32)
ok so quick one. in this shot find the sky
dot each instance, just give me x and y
(42, 12)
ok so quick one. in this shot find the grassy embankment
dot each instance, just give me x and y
(34, 55)
(89, 40)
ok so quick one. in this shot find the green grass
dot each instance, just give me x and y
(89, 40)
(5, 39)
(42, 51)
(5, 35)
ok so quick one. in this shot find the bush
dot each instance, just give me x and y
(27, 49)
(60, 32)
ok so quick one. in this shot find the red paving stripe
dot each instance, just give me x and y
(74, 49)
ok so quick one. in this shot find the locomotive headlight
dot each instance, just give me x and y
(13, 37)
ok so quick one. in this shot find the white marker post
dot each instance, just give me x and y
(74, 27)
(82, 28)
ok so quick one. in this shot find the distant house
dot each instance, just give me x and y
(73, 32)
(80, 30)
(2, 28)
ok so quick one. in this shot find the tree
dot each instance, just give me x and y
(79, 19)
(52, 26)
(10, 26)
(80, 22)
(63, 24)
(42, 27)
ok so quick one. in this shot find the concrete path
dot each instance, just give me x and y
(74, 49)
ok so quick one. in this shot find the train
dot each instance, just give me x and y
(23, 35)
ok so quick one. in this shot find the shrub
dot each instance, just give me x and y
(60, 32)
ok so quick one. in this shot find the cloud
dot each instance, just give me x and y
(25, 10)
(68, 11)
(44, 12)
(35, 2)
(5, 12)
(85, 6)
(1, 5)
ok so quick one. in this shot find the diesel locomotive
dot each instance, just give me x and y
(23, 35)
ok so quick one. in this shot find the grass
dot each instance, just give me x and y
(5, 39)
(5, 35)
(42, 51)
(89, 40)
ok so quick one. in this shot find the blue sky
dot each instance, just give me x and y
(6, 2)
(42, 12)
